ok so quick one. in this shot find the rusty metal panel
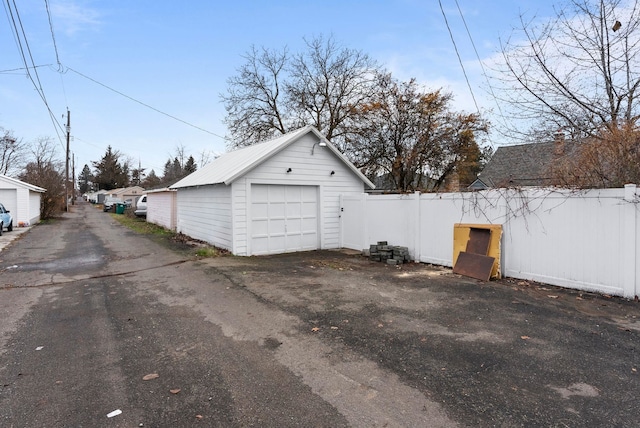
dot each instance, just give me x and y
(478, 242)
(474, 265)
(461, 234)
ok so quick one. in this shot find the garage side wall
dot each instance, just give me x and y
(204, 213)
(161, 209)
(34, 207)
(306, 170)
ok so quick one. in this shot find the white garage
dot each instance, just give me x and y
(274, 197)
(21, 199)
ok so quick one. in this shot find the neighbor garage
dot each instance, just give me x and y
(273, 197)
(21, 199)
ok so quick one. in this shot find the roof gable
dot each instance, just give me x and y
(233, 165)
(17, 183)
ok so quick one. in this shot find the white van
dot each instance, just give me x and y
(141, 207)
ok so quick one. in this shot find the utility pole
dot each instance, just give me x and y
(66, 181)
(73, 175)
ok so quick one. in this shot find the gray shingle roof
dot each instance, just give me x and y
(525, 164)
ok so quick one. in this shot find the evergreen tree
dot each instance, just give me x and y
(190, 166)
(109, 172)
(151, 181)
(85, 179)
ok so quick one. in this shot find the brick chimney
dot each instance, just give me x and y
(558, 140)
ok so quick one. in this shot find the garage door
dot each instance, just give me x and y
(283, 218)
(9, 198)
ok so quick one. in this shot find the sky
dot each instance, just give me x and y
(145, 77)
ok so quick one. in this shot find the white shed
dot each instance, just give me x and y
(278, 196)
(21, 199)
(161, 207)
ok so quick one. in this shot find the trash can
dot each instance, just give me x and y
(119, 208)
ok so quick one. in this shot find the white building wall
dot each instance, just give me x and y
(20, 203)
(306, 170)
(204, 213)
(34, 207)
(161, 208)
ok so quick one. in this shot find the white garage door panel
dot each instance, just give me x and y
(9, 198)
(283, 218)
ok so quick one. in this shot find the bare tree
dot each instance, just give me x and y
(327, 84)
(205, 157)
(275, 92)
(413, 139)
(254, 99)
(579, 72)
(12, 153)
(45, 169)
(611, 160)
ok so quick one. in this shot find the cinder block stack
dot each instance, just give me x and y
(390, 254)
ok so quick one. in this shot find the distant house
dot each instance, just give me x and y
(125, 193)
(278, 196)
(21, 199)
(524, 165)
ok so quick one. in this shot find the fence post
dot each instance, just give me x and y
(365, 221)
(630, 244)
(417, 223)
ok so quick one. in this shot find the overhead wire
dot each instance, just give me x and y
(145, 104)
(484, 73)
(53, 36)
(455, 47)
(15, 34)
(55, 48)
(21, 38)
(30, 69)
(10, 70)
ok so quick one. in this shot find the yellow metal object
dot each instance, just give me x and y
(461, 238)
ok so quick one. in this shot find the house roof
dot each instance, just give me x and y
(232, 165)
(128, 191)
(524, 164)
(18, 183)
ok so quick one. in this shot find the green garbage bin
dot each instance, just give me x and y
(119, 208)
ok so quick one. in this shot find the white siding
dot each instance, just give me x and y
(586, 240)
(23, 204)
(9, 198)
(205, 213)
(161, 209)
(306, 170)
(34, 207)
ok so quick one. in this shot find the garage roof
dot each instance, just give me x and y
(17, 183)
(232, 165)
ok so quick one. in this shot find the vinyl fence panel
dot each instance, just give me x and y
(587, 240)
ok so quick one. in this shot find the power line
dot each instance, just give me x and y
(484, 73)
(55, 48)
(10, 70)
(459, 58)
(16, 35)
(20, 36)
(144, 104)
(53, 37)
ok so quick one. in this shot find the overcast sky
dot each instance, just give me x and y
(145, 76)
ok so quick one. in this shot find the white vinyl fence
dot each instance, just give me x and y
(587, 240)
